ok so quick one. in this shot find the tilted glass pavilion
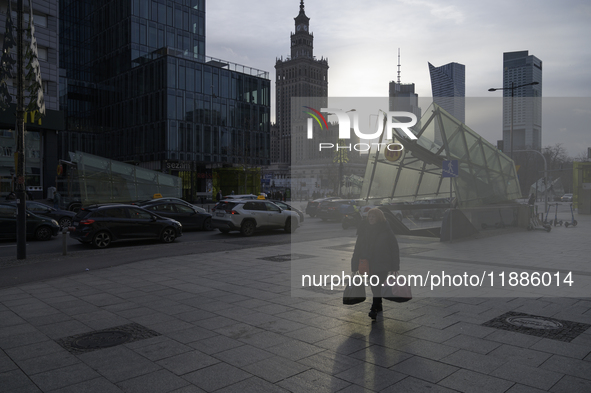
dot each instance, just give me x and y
(486, 175)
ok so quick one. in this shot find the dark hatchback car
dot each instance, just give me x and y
(188, 216)
(312, 206)
(100, 225)
(38, 227)
(332, 209)
(63, 217)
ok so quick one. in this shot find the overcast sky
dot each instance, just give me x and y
(361, 41)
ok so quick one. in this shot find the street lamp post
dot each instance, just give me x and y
(512, 88)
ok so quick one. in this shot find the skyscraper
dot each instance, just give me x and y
(403, 96)
(137, 86)
(448, 84)
(301, 75)
(520, 68)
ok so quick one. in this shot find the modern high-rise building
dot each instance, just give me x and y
(448, 84)
(403, 96)
(301, 75)
(520, 68)
(41, 135)
(137, 86)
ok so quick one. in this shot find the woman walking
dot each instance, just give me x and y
(376, 243)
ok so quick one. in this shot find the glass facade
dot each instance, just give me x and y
(33, 160)
(486, 175)
(142, 90)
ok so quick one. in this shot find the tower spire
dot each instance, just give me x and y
(398, 64)
(302, 5)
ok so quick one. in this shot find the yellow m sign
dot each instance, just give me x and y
(35, 115)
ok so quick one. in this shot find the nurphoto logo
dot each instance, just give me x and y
(385, 121)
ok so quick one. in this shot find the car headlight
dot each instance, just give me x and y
(54, 222)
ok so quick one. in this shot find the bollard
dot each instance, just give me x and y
(64, 241)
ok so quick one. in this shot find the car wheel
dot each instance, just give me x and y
(102, 240)
(207, 224)
(289, 227)
(224, 230)
(43, 233)
(65, 222)
(247, 228)
(168, 235)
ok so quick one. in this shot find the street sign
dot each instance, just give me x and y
(450, 168)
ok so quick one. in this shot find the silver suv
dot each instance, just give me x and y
(247, 216)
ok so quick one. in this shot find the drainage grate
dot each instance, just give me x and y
(286, 257)
(106, 338)
(534, 325)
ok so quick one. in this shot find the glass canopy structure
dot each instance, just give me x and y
(486, 176)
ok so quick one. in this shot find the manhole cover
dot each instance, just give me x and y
(535, 323)
(106, 338)
(101, 340)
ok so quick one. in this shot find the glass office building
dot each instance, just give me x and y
(137, 87)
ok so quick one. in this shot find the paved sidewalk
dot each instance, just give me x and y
(226, 322)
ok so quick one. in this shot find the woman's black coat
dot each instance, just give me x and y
(376, 243)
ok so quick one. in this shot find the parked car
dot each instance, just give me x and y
(312, 206)
(188, 216)
(63, 217)
(567, 198)
(38, 227)
(169, 199)
(243, 196)
(247, 216)
(286, 206)
(100, 225)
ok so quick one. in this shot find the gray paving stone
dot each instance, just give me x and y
(97, 385)
(239, 330)
(425, 369)
(330, 363)
(216, 376)
(64, 329)
(570, 384)
(569, 366)
(194, 333)
(371, 377)
(295, 350)
(42, 363)
(414, 385)
(574, 350)
(243, 355)
(470, 381)
(7, 333)
(474, 361)
(19, 340)
(523, 356)
(162, 350)
(118, 364)
(13, 379)
(189, 389)
(313, 381)
(34, 350)
(215, 344)
(517, 388)
(513, 338)
(275, 369)
(252, 385)
(526, 375)
(381, 356)
(31, 388)
(473, 344)
(161, 381)
(432, 334)
(214, 323)
(265, 339)
(427, 349)
(171, 326)
(187, 362)
(8, 318)
(62, 377)
(344, 344)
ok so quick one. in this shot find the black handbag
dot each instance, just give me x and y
(354, 294)
(396, 293)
